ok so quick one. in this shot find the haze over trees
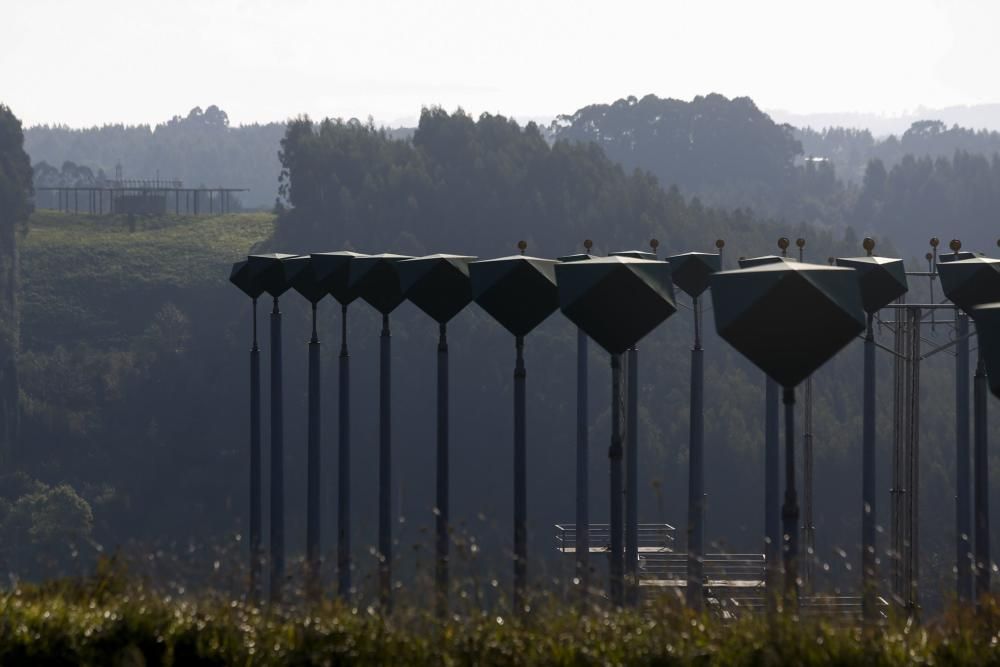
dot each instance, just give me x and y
(200, 148)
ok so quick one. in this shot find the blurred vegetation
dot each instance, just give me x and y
(111, 619)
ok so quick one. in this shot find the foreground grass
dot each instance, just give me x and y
(108, 621)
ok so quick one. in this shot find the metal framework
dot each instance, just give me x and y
(138, 196)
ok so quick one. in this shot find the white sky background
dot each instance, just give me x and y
(132, 61)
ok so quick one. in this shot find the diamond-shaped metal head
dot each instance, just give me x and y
(956, 256)
(273, 272)
(332, 270)
(377, 281)
(750, 262)
(518, 291)
(788, 318)
(987, 318)
(437, 284)
(635, 254)
(691, 270)
(971, 282)
(616, 300)
(304, 279)
(242, 278)
(882, 279)
(581, 257)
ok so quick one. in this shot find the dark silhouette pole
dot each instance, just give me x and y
(344, 464)
(308, 281)
(881, 280)
(439, 285)
(790, 508)
(376, 280)
(313, 469)
(869, 585)
(255, 464)
(788, 318)
(582, 521)
(963, 472)
(519, 292)
(520, 478)
(691, 273)
(631, 453)
(617, 300)
(582, 552)
(696, 471)
(277, 460)
(242, 276)
(331, 272)
(442, 456)
(385, 465)
(615, 461)
(981, 497)
(772, 493)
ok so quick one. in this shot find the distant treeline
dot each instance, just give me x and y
(200, 149)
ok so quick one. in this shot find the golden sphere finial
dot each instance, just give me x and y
(588, 244)
(783, 244)
(654, 244)
(800, 242)
(868, 244)
(928, 257)
(522, 246)
(955, 245)
(720, 244)
(934, 241)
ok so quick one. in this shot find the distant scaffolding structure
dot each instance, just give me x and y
(137, 197)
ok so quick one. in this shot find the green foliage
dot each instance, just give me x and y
(103, 622)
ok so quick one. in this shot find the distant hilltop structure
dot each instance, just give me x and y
(129, 196)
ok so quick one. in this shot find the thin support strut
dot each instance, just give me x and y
(696, 472)
(632, 482)
(344, 465)
(313, 482)
(582, 468)
(441, 503)
(277, 461)
(255, 465)
(385, 468)
(615, 459)
(963, 473)
(520, 480)
(790, 509)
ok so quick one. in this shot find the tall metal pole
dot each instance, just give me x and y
(255, 467)
(520, 479)
(900, 365)
(632, 481)
(277, 461)
(790, 509)
(808, 527)
(385, 468)
(772, 495)
(616, 566)
(344, 465)
(963, 472)
(912, 540)
(868, 555)
(441, 519)
(696, 471)
(313, 469)
(582, 467)
(981, 498)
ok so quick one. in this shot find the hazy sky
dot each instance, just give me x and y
(84, 63)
